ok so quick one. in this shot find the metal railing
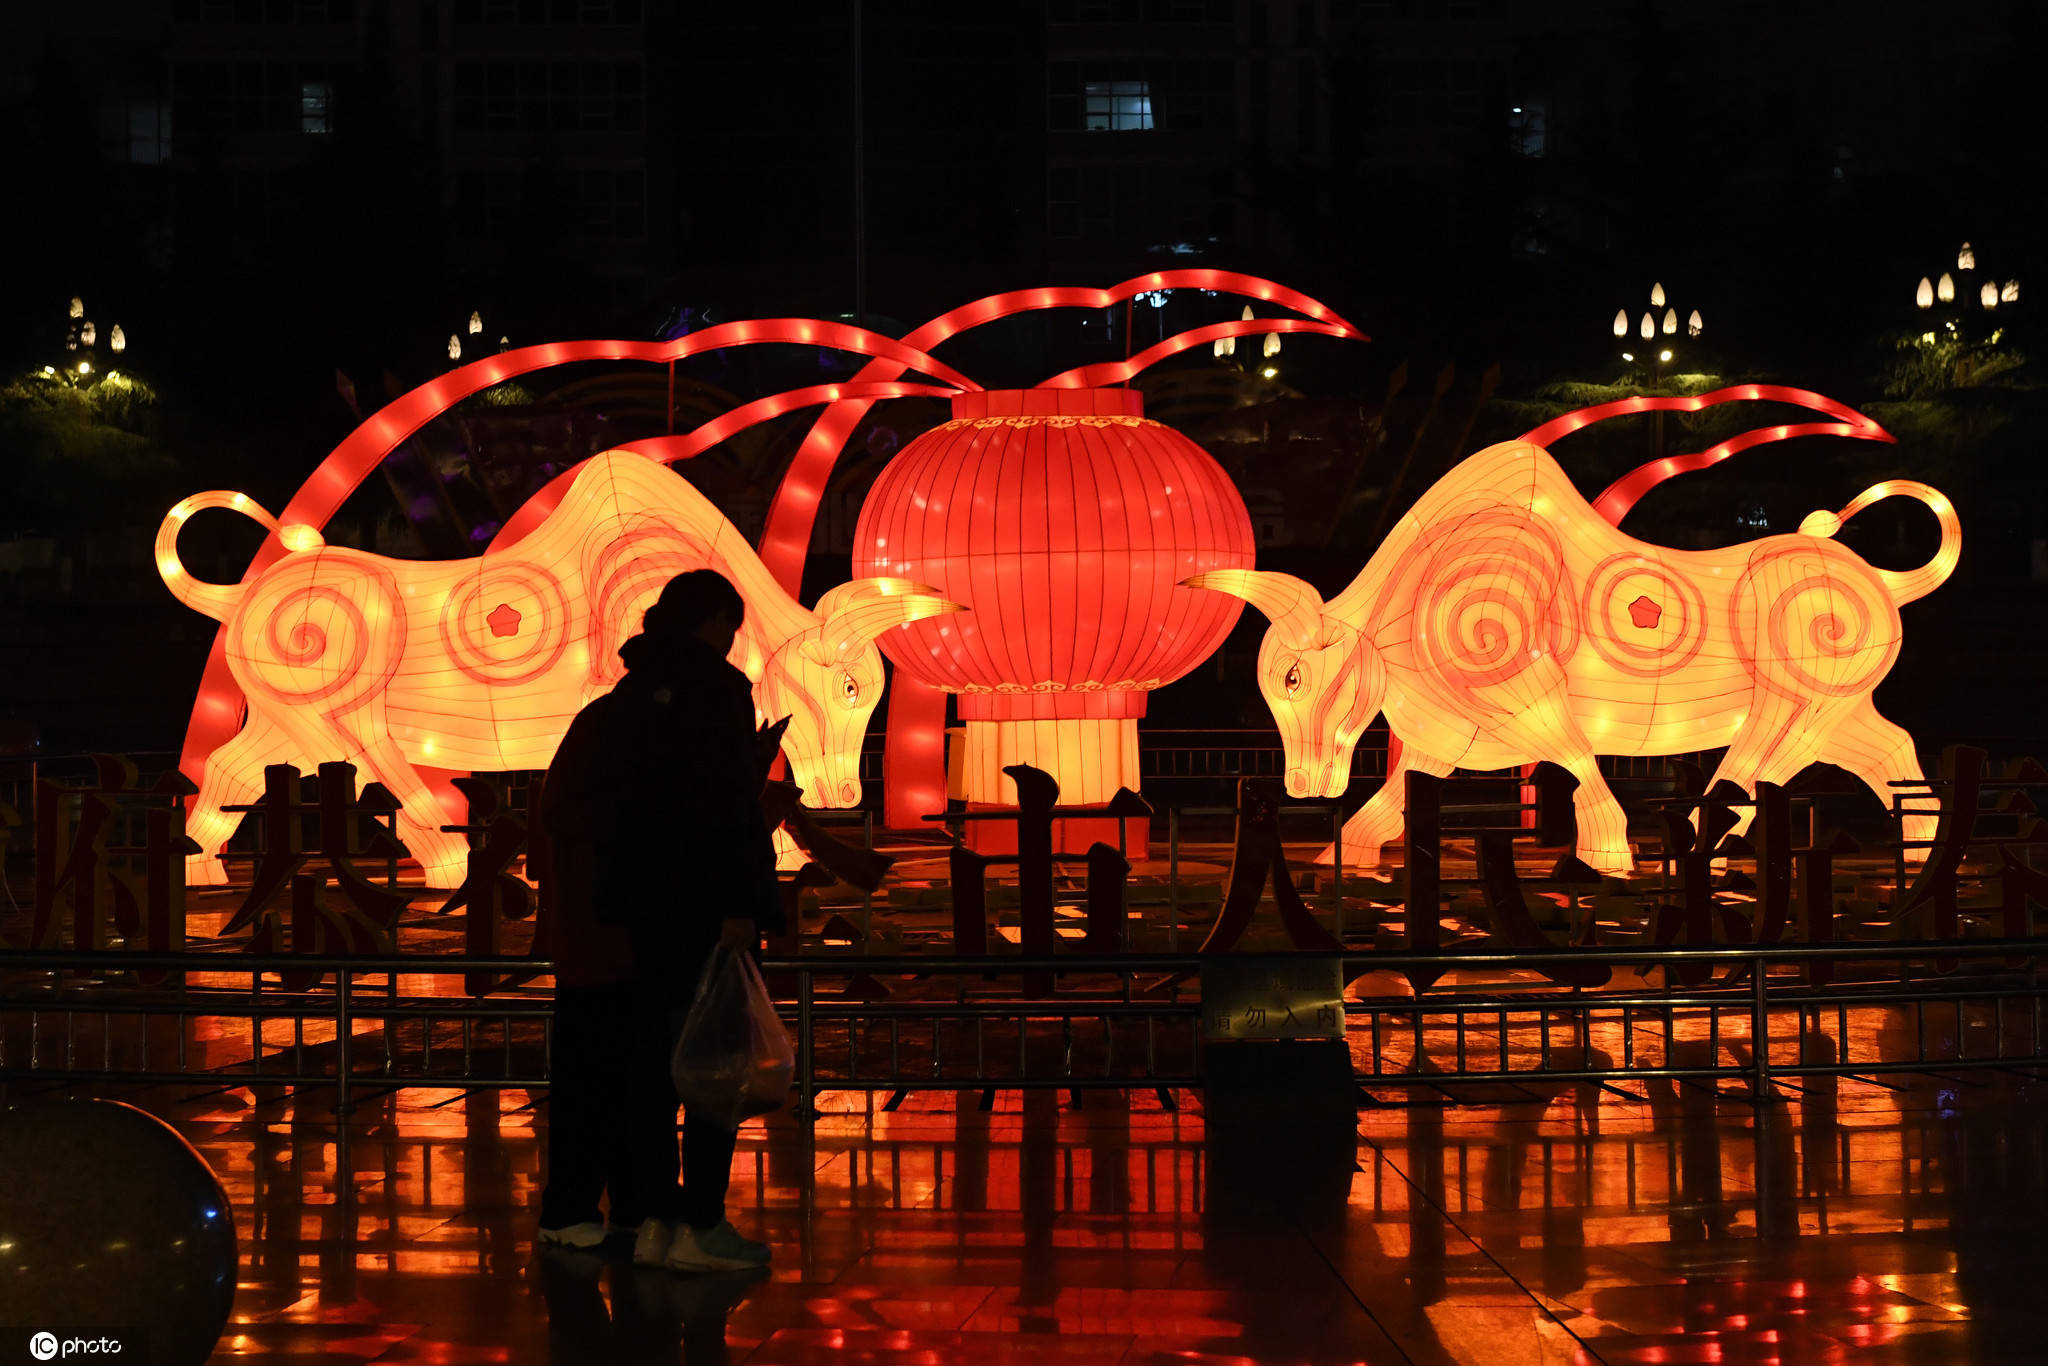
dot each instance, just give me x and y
(330, 1055)
(371, 1035)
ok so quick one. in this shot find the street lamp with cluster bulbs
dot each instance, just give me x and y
(1227, 346)
(476, 326)
(1952, 296)
(82, 342)
(1990, 293)
(1660, 322)
(1657, 331)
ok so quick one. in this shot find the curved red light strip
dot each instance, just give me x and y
(670, 449)
(1117, 372)
(788, 533)
(1614, 502)
(914, 752)
(217, 711)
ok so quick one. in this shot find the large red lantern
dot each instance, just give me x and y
(1064, 521)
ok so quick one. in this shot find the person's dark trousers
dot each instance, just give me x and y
(589, 1081)
(691, 1188)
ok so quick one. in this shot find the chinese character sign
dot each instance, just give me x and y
(1261, 996)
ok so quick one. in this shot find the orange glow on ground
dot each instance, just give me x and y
(1565, 1224)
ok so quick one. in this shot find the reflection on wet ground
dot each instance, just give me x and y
(1648, 1222)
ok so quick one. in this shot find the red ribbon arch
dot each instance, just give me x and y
(217, 711)
(1616, 500)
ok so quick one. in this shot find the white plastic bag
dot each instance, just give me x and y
(734, 1058)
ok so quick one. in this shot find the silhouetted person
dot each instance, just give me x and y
(661, 856)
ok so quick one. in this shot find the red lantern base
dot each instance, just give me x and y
(1089, 757)
(1071, 836)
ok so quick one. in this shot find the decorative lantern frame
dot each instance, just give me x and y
(914, 760)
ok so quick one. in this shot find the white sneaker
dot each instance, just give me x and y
(586, 1234)
(714, 1249)
(651, 1245)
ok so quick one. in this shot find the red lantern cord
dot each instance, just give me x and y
(1614, 502)
(1118, 372)
(217, 711)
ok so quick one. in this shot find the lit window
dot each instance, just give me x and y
(1529, 128)
(316, 98)
(137, 131)
(149, 133)
(1117, 106)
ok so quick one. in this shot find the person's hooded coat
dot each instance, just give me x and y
(653, 803)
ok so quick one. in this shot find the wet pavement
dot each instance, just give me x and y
(1647, 1222)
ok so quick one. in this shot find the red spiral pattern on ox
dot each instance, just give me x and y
(1814, 621)
(1642, 652)
(324, 628)
(1489, 606)
(543, 632)
(629, 574)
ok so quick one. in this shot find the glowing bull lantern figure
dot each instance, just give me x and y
(400, 665)
(1064, 520)
(1506, 621)
(914, 763)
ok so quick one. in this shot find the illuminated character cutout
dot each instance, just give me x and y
(399, 666)
(1504, 622)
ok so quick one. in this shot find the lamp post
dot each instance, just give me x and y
(1962, 303)
(1656, 335)
(82, 344)
(469, 341)
(1227, 346)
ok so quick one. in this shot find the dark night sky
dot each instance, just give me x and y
(1791, 170)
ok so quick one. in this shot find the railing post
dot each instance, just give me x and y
(1337, 866)
(867, 898)
(342, 1030)
(1899, 851)
(1771, 1219)
(804, 1045)
(1173, 879)
(1760, 1032)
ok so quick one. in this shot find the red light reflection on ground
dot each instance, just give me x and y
(1554, 1224)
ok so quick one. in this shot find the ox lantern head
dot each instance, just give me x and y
(1322, 679)
(828, 678)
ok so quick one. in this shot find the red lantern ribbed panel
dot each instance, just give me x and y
(1065, 521)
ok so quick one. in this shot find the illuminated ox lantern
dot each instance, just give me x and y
(1504, 622)
(405, 667)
